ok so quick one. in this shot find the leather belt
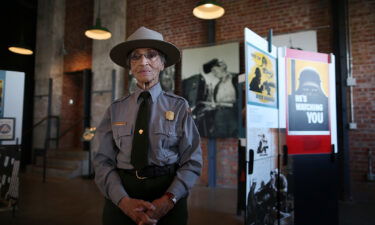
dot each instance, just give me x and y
(152, 171)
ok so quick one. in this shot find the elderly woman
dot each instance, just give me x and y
(149, 153)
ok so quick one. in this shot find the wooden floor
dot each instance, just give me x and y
(78, 202)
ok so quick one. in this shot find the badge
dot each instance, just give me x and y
(169, 115)
(140, 131)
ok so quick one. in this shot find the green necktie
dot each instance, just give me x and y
(139, 155)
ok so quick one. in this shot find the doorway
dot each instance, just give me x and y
(75, 109)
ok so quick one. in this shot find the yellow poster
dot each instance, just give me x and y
(262, 80)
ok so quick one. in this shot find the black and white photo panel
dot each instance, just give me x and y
(209, 84)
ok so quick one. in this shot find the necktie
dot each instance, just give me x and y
(139, 152)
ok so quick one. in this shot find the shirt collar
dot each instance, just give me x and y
(154, 91)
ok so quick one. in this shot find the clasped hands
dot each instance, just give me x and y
(146, 213)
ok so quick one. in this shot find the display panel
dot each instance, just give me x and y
(309, 112)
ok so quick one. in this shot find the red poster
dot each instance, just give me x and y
(308, 108)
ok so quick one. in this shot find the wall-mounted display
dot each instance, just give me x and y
(269, 197)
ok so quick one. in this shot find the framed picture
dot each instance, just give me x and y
(7, 128)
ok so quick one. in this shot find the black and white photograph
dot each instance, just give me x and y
(268, 193)
(269, 199)
(166, 79)
(209, 83)
(263, 141)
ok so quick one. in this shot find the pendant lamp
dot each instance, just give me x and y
(20, 49)
(98, 32)
(208, 10)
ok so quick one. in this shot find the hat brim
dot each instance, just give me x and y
(120, 52)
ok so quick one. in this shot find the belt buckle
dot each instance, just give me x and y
(139, 177)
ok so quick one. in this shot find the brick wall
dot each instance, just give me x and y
(362, 23)
(78, 50)
(78, 47)
(71, 113)
(180, 27)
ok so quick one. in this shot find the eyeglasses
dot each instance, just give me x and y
(150, 55)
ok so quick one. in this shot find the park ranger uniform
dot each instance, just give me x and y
(174, 153)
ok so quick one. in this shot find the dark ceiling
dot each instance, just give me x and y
(17, 21)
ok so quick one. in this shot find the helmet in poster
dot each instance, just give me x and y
(309, 75)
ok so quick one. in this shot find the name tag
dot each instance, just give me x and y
(119, 123)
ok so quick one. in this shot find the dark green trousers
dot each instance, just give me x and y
(148, 189)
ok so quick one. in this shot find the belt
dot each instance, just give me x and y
(152, 171)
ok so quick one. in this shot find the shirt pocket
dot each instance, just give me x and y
(168, 139)
(122, 136)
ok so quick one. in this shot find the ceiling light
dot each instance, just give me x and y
(98, 32)
(208, 10)
(20, 49)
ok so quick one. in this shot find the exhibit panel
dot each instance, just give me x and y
(290, 123)
(266, 185)
(310, 101)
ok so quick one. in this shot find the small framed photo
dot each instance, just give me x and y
(7, 128)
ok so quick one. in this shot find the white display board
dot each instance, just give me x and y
(262, 133)
(12, 94)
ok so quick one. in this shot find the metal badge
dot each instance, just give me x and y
(169, 115)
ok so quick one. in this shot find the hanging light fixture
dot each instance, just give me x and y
(20, 49)
(208, 10)
(98, 32)
(20, 46)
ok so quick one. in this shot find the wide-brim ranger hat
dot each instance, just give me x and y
(145, 38)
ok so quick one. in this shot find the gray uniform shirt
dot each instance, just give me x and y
(173, 139)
